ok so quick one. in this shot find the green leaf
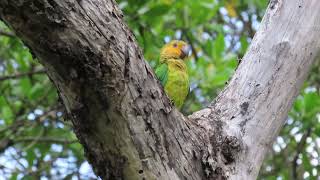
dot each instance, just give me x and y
(30, 156)
(36, 91)
(25, 85)
(312, 100)
(218, 47)
(158, 10)
(244, 44)
(7, 114)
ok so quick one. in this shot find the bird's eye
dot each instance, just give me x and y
(175, 45)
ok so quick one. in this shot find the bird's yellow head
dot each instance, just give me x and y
(174, 50)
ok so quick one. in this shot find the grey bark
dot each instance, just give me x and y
(121, 115)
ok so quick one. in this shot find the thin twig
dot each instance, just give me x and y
(300, 148)
(19, 75)
(194, 51)
(45, 140)
(6, 33)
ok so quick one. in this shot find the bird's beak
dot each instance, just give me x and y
(185, 51)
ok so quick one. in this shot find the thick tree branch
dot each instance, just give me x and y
(120, 113)
(254, 106)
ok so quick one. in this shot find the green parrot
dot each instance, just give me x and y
(172, 71)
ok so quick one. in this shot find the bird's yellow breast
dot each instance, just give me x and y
(177, 86)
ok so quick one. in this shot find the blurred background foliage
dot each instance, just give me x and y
(37, 143)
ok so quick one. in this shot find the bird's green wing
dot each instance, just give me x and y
(162, 73)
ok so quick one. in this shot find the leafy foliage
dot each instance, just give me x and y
(36, 142)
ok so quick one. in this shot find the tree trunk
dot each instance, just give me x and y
(123, 118)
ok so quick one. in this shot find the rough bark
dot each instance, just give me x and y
(122, 117)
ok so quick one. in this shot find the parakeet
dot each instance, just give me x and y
(172, 71)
